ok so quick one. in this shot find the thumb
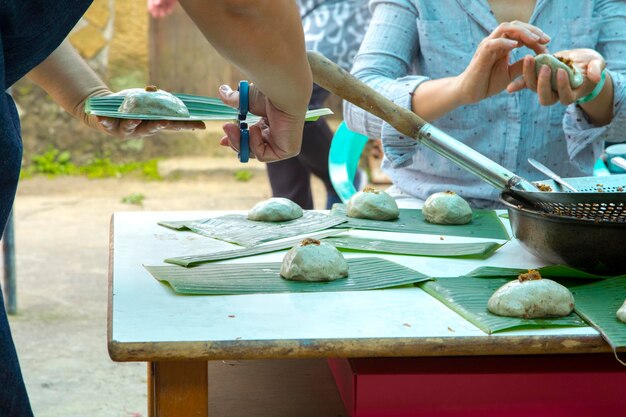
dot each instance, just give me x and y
(516, 69)
(594, 70)
(229, 96)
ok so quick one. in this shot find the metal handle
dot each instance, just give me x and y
(335, 79)
(547, 171)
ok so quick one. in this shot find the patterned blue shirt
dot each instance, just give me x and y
(411, 41)
(334, 28)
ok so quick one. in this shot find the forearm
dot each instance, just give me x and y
(69, 81)
(435, 98)
(600, 110)
(264, 38)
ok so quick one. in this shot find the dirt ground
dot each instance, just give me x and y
(62, 237)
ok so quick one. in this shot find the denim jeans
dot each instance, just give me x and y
(13, 398)
(31, 30)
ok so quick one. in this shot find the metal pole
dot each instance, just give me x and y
(8, 251)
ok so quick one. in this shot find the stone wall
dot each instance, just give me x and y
(128, 55)
(113, 38)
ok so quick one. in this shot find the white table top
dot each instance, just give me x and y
(148, 321)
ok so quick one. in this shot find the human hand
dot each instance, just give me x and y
(135, 128)
(161, 8)
(489, 71)
(278, 135)
(589, 62)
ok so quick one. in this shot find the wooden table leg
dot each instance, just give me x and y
(178, 389)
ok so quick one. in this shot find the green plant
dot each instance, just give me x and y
(101, 168)
(150, 170)
(243, 175)
(105, 168)
(134, 198)
(53, 162)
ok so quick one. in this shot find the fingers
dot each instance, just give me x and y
(490, 50)
(256, 99)
(529, 73)
(149, 128)
(529, 35)
(259, 145)
(133, 128)
(282, 141)
(109, 124)
(516, 69)
(183, 125)
(127, 127)
(232, 138)
(517, 84)
(547, 97)
(594, 70)
(229, 96)
(565, 93)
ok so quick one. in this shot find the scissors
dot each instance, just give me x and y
(244, 137)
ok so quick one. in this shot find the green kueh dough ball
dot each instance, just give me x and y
(372, 204)
(621, 313)
(152, 101)
(447, 207)
(312, 260)
(531, 299)
(554, 62)
(275, 210)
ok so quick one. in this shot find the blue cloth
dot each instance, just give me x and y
(334, 28)
(30, 30)
(411, 41)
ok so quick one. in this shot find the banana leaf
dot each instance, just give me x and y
(479, 250)
(350, 243)
(200, 108)
(237, 229)
(551, 271)
(255, 278)
(193, 260)
(468, 297)
(484, 224)
(597, 304)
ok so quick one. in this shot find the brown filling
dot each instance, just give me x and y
(531, 275)
(544, 187)
(151, 88)
(371, 190)
(566, 61)
(310, 241)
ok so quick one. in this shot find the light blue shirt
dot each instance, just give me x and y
(411, 41)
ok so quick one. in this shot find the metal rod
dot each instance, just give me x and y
(8, 251)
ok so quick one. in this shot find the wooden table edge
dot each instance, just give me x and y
(110, 285)
(356, 348)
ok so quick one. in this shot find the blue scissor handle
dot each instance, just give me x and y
(244, 133)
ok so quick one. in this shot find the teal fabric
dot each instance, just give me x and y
(343, 160)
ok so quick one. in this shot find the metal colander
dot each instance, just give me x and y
(598, 199)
